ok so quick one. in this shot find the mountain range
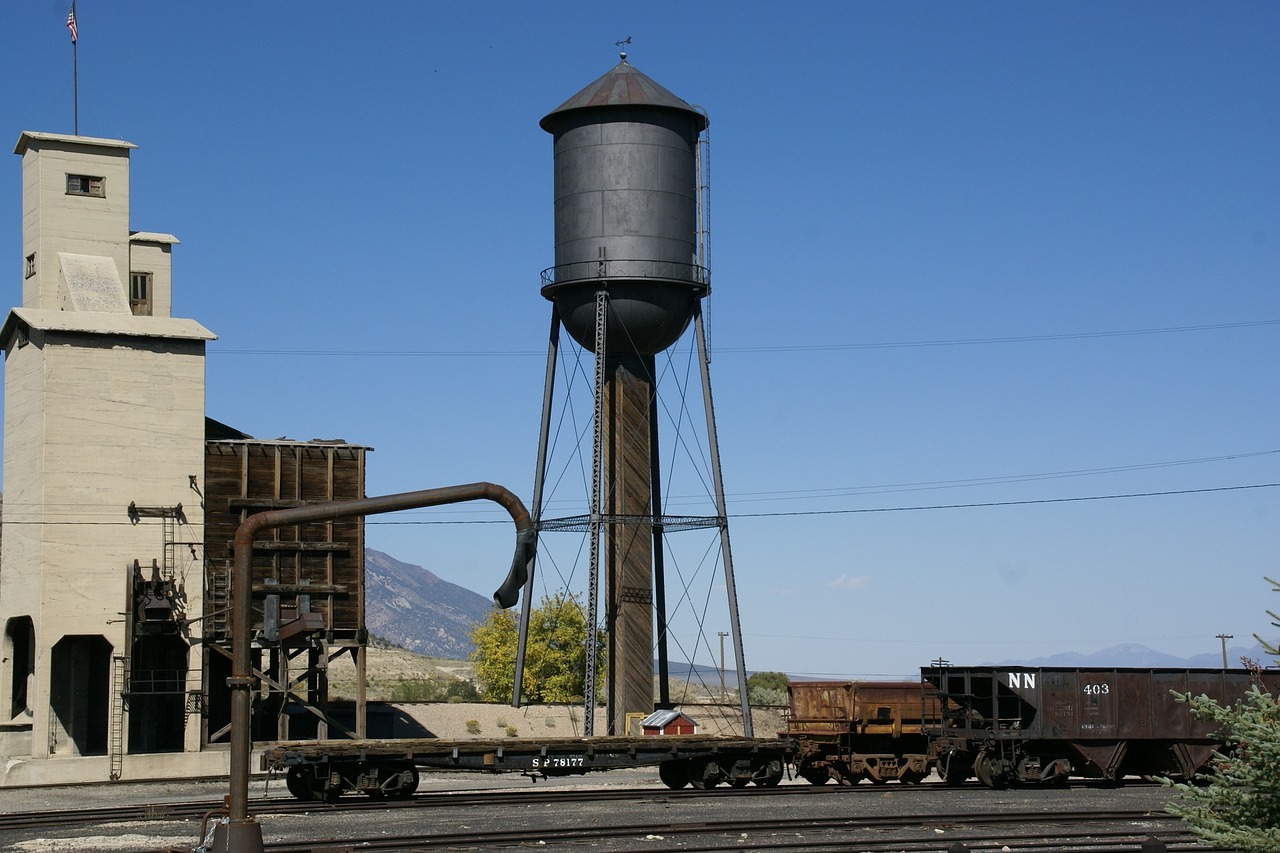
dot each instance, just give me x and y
(1134, 654)
(409, 606)
(413, 608)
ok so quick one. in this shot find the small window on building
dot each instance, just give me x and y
(30, 268)
(86, 185)
(140, 294)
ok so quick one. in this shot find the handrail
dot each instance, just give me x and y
(606, 268)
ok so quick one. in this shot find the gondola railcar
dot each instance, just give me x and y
(854, 730)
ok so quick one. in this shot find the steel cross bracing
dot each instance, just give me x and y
(596, 522)
(582, 523)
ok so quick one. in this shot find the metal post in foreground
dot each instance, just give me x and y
(242, 833)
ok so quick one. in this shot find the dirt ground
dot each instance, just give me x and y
(385, 667)
(475, 720)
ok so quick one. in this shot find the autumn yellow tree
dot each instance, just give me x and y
(555, 655)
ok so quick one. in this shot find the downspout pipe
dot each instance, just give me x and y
(243, 834)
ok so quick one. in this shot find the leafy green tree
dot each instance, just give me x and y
(767, 688)
(461, 690)
(433, 688)
(1236, 805)
(555, 654)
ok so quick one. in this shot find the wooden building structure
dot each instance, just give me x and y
(308, 582)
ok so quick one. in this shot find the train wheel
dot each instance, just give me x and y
(739, 783)
(704, 773)
(911, 777)
(299, 780)
(674, 774)
(816, 777)
(408, 785)
(954, 770)
(989, 771)
(772, 775)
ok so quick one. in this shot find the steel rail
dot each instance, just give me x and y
(758, 832)
(287, 804)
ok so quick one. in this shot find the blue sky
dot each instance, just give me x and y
(963, 254)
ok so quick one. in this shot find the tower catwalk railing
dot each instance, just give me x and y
(623, 269)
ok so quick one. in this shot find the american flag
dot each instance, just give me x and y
(71, 22)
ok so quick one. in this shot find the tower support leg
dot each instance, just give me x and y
(726, 553)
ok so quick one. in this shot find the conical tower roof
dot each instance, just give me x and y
(622, 86)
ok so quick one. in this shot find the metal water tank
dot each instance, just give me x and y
(626, 198)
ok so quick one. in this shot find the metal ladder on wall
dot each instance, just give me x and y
(218, 604)
(167, 567)
(120, 686)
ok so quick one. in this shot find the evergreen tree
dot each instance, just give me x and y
(555, 654)
(1236, 804)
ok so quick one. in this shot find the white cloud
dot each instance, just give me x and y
(846, 582)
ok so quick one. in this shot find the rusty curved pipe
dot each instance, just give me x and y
(242, 827)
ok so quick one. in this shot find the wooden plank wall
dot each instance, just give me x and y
(247, 476)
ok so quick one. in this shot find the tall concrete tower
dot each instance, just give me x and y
(626, 284)
(103, 442)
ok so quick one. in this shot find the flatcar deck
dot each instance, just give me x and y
(325, 769)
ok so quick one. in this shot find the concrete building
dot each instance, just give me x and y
(104, 445)
(121, 499)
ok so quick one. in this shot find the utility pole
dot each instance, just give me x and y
(1224, 638)
(723, 693)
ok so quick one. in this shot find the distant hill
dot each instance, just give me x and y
(1134, 654)
(413, 608)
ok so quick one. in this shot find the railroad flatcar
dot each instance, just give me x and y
(855, 730)
(325, 770)
(1016, 725)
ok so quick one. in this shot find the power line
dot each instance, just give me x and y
(1012, 339)
(920, 508)
(930, 507)
(1008, 503)
(928, 485)
(943, 342)
(917, 508)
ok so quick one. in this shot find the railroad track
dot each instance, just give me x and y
(175, 811)
(927, 828)
(179, 811)
(1067, 832)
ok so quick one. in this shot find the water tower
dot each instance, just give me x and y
(628, 280)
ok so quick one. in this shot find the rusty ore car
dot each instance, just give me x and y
(854, 730)
(1015, 725)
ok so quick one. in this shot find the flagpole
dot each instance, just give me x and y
(75, 69)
